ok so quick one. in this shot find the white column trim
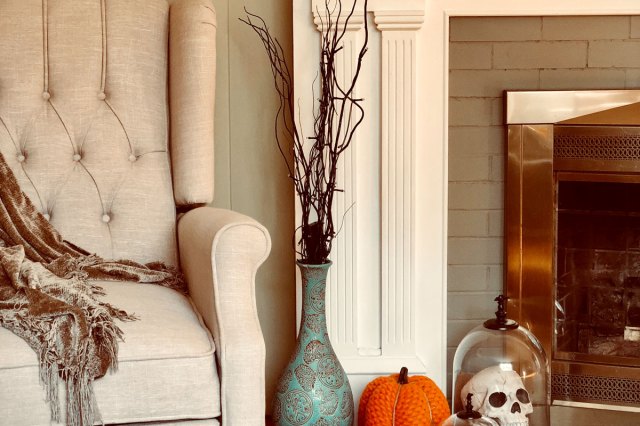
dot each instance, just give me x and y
(355, 23)
(399, 20)
(398, 130)
(398, 319)
(342, 281)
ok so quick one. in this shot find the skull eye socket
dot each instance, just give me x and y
(523, 396)
(497, 399)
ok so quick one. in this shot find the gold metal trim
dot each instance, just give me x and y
(513, 221)
(595, 359)
(595, 389)
(554, 106)
(626, 115)
(596, 148)
(530, 228)
(531, 176)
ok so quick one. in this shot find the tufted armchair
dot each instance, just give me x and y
(106, 119)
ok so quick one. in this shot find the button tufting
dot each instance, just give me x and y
(102, 96)
(21, 158)
(76, 157)
(47, 216)
(132, 158)
(106, 218)
(46, 96)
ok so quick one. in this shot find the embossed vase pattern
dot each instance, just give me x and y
(313, 389)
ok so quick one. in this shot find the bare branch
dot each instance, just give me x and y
(337, 114)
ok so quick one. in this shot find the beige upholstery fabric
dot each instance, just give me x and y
(192, 46)
(93, 95)
(208, 422)
(226, 248)
(167, 366)
(83, 102)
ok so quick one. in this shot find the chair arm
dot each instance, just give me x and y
(220, 252)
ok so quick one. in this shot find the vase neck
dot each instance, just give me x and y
(314, 278)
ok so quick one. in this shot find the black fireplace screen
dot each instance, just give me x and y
(598, 271)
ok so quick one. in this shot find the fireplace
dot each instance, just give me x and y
(572, 229)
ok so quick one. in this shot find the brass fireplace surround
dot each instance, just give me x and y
(555, 137)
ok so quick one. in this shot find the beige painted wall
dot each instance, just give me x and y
(250, 174)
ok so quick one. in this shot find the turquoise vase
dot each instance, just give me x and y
(313, 389)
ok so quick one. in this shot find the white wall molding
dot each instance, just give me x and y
(355, 22)
(372, 296)
(395, 319)
(343, 277)
(399, 20)
(398, 138)
(321, 15)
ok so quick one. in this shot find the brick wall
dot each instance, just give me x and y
(487, 56)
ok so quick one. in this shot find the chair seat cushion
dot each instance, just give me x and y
(166, 369)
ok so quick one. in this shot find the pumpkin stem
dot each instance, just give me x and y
(403, 378)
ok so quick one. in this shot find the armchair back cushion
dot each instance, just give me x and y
(85, 117)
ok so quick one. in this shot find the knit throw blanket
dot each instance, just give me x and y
(47, 298)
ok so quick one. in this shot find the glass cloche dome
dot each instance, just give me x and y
(504, 367)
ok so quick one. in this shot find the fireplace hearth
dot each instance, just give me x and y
(572, 202)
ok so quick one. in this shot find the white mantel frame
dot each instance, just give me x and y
(430, 158)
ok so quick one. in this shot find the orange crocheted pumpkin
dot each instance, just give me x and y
(401, 400)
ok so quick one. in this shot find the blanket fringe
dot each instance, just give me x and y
(49, 299)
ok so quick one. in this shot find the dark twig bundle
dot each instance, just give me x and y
(337, 115)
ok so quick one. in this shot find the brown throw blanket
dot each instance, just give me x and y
(47, 299)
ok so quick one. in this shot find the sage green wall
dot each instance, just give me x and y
(250, 175)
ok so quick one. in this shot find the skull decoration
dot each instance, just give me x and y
(501, 395)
